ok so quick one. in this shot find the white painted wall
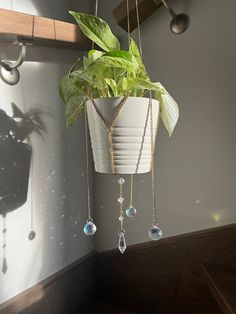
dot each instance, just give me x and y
(59, 184)
(195, 168)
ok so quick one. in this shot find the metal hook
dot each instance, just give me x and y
(179, 22)
(9, 70)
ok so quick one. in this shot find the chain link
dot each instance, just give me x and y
(110, 126)
(154, 205)
(87, 165)
(128, 21)
(138, 28)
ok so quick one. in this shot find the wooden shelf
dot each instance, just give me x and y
(40, 30)
(146, 8)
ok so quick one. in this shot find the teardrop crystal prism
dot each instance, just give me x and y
(155, 233)
(4, 265)
(122, 242)
(90, 228)
(131, 211)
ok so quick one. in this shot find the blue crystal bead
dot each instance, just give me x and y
(131, 211)
(155, 233)
(90, 228)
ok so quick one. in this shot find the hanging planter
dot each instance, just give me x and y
(116, 143)
(122, 106)
(110, 73)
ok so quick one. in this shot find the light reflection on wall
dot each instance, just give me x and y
(59, 189)
(216, 217)
(18, 247)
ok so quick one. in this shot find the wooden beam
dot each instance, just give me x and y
(40, 30)
(146, 8)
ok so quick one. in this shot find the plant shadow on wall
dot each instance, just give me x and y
(15, 161)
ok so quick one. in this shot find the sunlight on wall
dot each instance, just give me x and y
(18, 247)
(58, 187)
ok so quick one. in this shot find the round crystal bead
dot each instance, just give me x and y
(131, 211)
(121, 200)
(121, 218)
(121, 180)
(155, 233)
(90, 228)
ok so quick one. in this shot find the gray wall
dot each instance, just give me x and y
(58, 191)
(196, 167)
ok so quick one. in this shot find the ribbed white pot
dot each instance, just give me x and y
(127, 134)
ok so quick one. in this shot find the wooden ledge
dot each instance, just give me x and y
(40, 30)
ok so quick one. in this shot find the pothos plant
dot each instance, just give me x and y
(110, 72)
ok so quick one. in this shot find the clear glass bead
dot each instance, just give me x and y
(121, 218)
(155, 233)
(90, 228)
(32, 235)
(121, 180)
(131, 211)
(120, 199)
(122, 242)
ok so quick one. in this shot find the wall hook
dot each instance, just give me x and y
(9, 70)
(180, 22)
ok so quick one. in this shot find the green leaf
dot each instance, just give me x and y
(169, 109)
(68, 89)
(133, 49)
(137, 83)
(112, 84)
(73, 110)
(122, 86)
(121, 54)
(113, 62)
(94, 54)
(73, 97)
(97, 30)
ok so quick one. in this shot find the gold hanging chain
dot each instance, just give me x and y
(154, 201)
(143, 138)
(96, 14)
(110, 126)
(131, 189)
(121, 218)
(154, 208)
(141, 54)
(140, 154)
(128, 21)
(87, 164)
(138, 28)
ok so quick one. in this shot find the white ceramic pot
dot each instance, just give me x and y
(127, 134)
